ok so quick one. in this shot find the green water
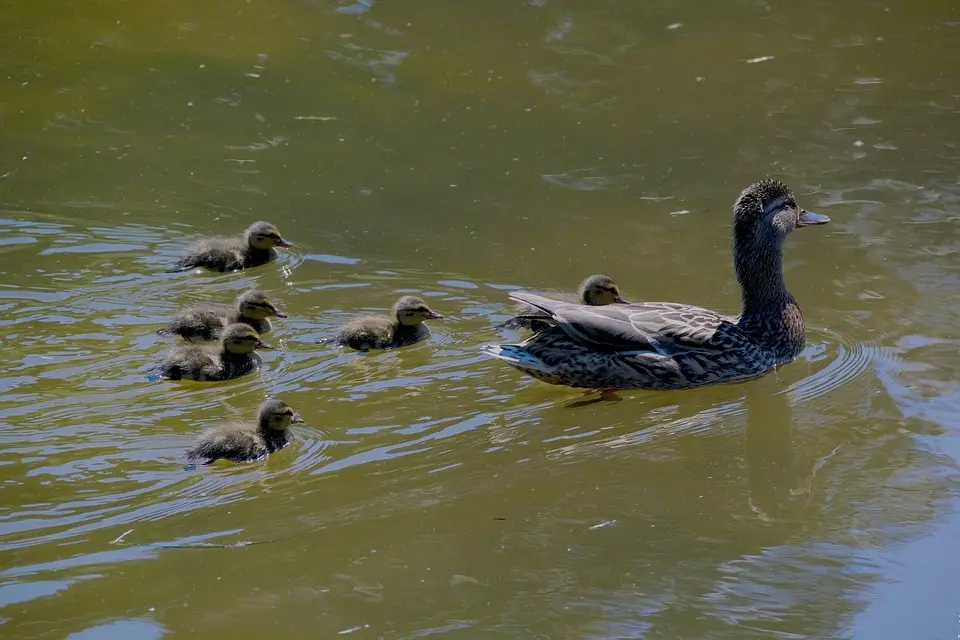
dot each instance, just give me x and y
(460, 150)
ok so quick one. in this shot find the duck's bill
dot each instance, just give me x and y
(297, 419)
(621, 300)
(279, 315)
(284, 243)
(433, 315)
(809, 219)
(263, 345)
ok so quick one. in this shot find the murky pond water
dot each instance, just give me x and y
(461, 150)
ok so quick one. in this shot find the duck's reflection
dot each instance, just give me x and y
(777, 484)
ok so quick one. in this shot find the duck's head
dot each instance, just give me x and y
(264, 236)
(277, 415)
(763, 216)
(255, 304)
(411, 311)
(599, 290)
(240, 339)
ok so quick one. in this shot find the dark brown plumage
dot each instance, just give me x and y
(206, 321)
(246, 442)
(596, 290)
(402, 327)
(231, 357)
(674, 346)
(223, 253)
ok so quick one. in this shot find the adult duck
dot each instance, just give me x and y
(662, 345)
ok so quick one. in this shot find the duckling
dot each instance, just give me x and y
(403, 327)
(597, 291)
(231, 357)
(254, 248)
(246, 442)
(206, 321)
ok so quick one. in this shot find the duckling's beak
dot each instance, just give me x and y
(621, 300)
(283, 243)
(263, 345)
(809, 218)
(278, 314)
(297, 419)
(433, 315)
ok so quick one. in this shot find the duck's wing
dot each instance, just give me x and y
(656, 327)
(527, 316)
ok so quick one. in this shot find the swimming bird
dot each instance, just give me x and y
(207, 320)
(231, 357)
(663, 345)
(245, 442)
(595, 291)
(402, 327)
(225, 253)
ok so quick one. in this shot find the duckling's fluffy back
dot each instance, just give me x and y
(203, 321)
(237, 442)
(206, 321)
(367, 332)
(220, 253)
(205, 362)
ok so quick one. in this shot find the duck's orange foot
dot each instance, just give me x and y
(604, 395)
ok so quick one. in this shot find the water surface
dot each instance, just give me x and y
(459, 151)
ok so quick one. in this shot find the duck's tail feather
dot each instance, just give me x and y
(538, 302)
(524, 321)
(516, 356)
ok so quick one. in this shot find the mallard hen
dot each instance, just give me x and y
(662, 345)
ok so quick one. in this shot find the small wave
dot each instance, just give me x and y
(845, 359)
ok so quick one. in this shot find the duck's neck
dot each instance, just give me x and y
(760, 274)
(770, 314)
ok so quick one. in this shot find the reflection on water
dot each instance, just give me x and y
(433, 491)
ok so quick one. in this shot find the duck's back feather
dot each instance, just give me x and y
(658, 327)
(527, 316)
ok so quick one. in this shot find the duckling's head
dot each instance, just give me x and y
(255, 304)
(264, 236)
(240, 339)
(599, 290)
(277, 415)
(763, 216)
(411, 311)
